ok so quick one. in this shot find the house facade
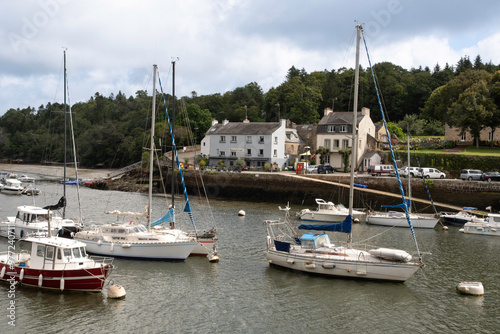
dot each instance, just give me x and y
(334, 133)
(256, 143)
(456, 135)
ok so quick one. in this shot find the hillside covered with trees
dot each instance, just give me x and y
(112, 131)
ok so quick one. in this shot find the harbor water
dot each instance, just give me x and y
(243, 294)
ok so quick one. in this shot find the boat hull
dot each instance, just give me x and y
(153, 251)
(319, 216)
(417, 222)
(85, 280)
(481, 229)
(344, 268)
(203, 248)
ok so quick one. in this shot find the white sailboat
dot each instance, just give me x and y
(32, 219)
(132, 239)
(206, 239)
(330, 212)
(314, 253)
(397, 218)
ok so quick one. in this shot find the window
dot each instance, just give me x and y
(343, 128)
(249, 139)
(40, 250)
(222, 139)
(335, 143)
(233, 154)
(464, 137)
(261, 153)
(275, 153)
(327, 143)
(345, 143)
(233, 139)
(222, 153)
(330, 128)
(490, 136)
(276, 140)
(261, 140)
(249, 151)
(327, 159)
(49, 253)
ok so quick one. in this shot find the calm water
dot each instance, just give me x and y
(242, 294)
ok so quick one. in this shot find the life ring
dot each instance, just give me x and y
(132, 222)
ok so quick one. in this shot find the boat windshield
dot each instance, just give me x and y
(77, 253)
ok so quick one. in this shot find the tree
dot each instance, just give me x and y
(412, 124)
(472, 110)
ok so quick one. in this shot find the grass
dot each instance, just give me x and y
(482, 150)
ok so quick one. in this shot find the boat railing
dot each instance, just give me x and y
(102, 259)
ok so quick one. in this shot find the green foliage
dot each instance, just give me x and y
(346, 154)
(240, 163)
(395, 130)
(267, 167)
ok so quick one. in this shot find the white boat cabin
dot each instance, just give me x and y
(57, 254)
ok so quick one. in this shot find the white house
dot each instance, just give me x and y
(256, 143)
(334, 132)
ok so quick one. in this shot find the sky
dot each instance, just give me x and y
(219, 45)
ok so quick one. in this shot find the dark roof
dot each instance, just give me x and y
(239, 128)
(344, 117)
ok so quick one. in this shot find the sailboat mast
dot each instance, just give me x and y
(65, 121)
(152, 146)
(354, 159)
(173, 133)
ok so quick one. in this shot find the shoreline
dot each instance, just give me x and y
(56, 171)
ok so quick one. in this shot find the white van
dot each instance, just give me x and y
(413, 172)
(432, 173)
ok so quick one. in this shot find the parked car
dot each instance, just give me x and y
(312, 169)
(432, 173)
(471, 174)
(325, 169)
(490, 176)
(378, 170)
(412, 172)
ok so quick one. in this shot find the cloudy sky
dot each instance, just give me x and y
(222, 44)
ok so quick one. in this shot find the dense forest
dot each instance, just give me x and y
(112, 131)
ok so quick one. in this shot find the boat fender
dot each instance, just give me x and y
(40, 280)
(61, 285)
(111, 247)
(21, 275)
(99, 242)
(2, 273)
(132, 222)
(269, 241)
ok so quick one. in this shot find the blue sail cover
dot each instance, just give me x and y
(343, 227)
(168, 217)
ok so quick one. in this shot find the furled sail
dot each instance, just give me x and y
(343, 227)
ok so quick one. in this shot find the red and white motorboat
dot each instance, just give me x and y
(55, 263)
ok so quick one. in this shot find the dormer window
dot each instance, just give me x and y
(343, 128)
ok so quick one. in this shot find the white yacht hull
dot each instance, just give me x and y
(364, 268)
(417, 221)
(153, 251)
(325, 216)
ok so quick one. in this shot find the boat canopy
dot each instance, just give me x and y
(343, 227)
(168, 217)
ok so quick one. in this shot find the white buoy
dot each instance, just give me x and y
(3, 272)
(116, 291)
(21, 275)
(61, 285)
(40, 280)
(445, 228)
(241, 213)
(471, 288)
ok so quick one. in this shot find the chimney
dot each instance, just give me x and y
(246, 120)
(214, 122)
(365, 111)
(327, 111)
(224, 122)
